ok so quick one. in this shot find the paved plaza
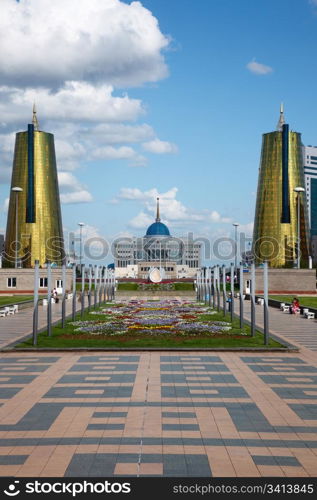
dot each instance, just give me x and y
(180, 413)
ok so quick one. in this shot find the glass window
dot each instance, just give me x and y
(11, 282)
(43, 282)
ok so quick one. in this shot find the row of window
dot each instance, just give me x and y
(165, 268)
(12, 283)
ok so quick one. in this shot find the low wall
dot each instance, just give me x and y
(285, 281)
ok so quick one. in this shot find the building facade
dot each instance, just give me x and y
(310, 171)
(275, 233)
(175, 257)
(34, 225)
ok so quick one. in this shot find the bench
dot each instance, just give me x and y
(3, 313)
(309, 315)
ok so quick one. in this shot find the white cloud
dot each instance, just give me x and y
(82, 196)
(142, 220)
(45, 42)
(121, 153)
(74, 101)
(70, 57)
(118, 133)
(216, 217)
(258, 68)
(172, 211)
(71, 190)
(157, 146)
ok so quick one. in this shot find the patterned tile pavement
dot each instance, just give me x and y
(158, 414)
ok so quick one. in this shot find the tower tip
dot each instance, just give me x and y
(281, 120)
(157, 210)
(34, 119)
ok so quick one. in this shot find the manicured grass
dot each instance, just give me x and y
(127, 286)
(184, 286)
(65, 338)
(5, 301)
(303, 300)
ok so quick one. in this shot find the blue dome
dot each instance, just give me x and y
(157, 229)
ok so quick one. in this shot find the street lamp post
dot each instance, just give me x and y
(80, 224)
(16, 190)
(235, 224)
(298, 190)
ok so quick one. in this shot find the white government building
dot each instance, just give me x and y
(175, 257)
(310, 171)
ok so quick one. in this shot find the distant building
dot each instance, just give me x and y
(275, 224)
(310, 170)
(34, 224)
(175, 257)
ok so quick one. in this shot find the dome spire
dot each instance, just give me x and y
(158, 219)
(281, 121)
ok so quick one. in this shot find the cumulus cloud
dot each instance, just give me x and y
(47, 43)
(216, 217)
(157, 146)
(173, 211)
(71, 190)
(72, 58)
(258, 68)
(140, 221)
(74, 101)
(118, 133)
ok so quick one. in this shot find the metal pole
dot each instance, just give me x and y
(214, 287)
(266, 303)
(218, 287)
(36, 302)
(114, 285)
(236, 248)
(16, 228)
(100, 285)
(232, 290)
(49, 299)
(224, 294)
(81, 233)
(252, 297)
(197, 286)
(241, 294)
(74, 293)
(64, 294)
(82, 289)
(89, 288)
(95, 290)
(106, 285)
(209, 286)
(298, 230)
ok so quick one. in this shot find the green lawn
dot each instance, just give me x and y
(66, 338)
(127, 286)
(184, 286)
(303, 300)
(5, 301)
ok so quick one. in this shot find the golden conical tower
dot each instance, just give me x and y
(34, 215)
(275, 235)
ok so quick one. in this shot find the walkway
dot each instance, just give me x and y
(17, 326)
(160, 414)
(295, 329)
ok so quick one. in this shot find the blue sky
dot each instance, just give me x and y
(167, 97)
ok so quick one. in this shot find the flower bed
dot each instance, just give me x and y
(165, 317)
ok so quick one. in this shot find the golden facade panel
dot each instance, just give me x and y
(275, 224)
(39, 221)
